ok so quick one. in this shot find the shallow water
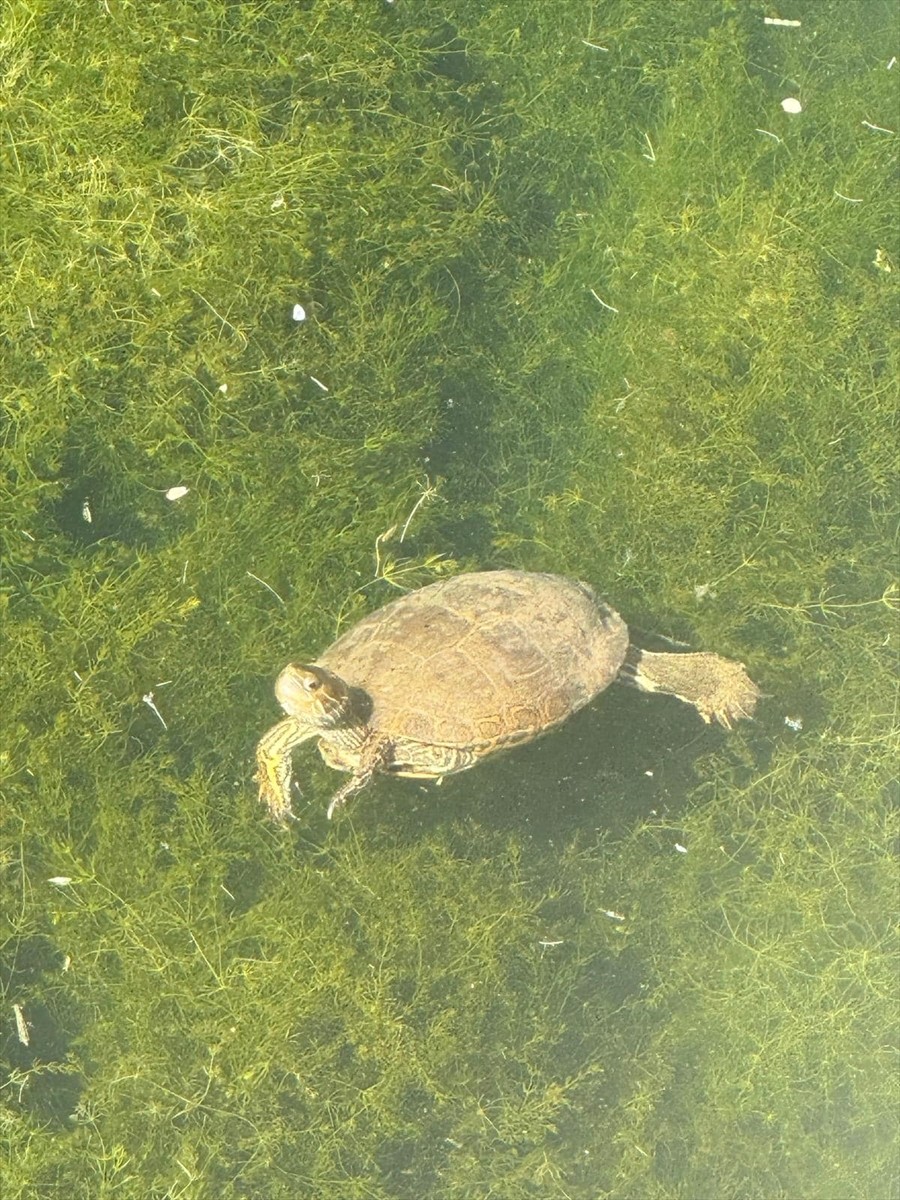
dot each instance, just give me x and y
(579, 296)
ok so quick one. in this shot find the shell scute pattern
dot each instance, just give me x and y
(481, 660)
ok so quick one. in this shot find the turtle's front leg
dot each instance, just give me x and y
(273, 766)
(354, 785)
(376, 755)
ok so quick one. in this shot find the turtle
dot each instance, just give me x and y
(443, 677)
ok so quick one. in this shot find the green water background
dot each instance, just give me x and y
(606, 311)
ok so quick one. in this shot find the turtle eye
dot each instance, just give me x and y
(312, 684)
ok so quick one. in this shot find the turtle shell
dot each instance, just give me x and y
(481, 660)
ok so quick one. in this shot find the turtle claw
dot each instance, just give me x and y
(278, 805)
(354, 785)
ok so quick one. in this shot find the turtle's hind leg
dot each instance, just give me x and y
(719, 688)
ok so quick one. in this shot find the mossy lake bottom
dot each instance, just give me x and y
(578, 294)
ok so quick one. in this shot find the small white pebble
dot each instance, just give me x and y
(60, 880)
(177, 493)
(299, 313)
(792, 105)
(681, 849)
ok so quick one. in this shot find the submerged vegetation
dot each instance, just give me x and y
(579, 296)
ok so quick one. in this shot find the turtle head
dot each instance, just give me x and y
(314, 696)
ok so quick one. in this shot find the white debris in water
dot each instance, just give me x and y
(795, 723)
(21, 1025)
(151, 704)
(177, 493)
(299, 313)
(791, 104)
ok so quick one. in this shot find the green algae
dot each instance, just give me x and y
(516, 985)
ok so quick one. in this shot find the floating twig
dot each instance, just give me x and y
(602, 302)
(268, 588)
